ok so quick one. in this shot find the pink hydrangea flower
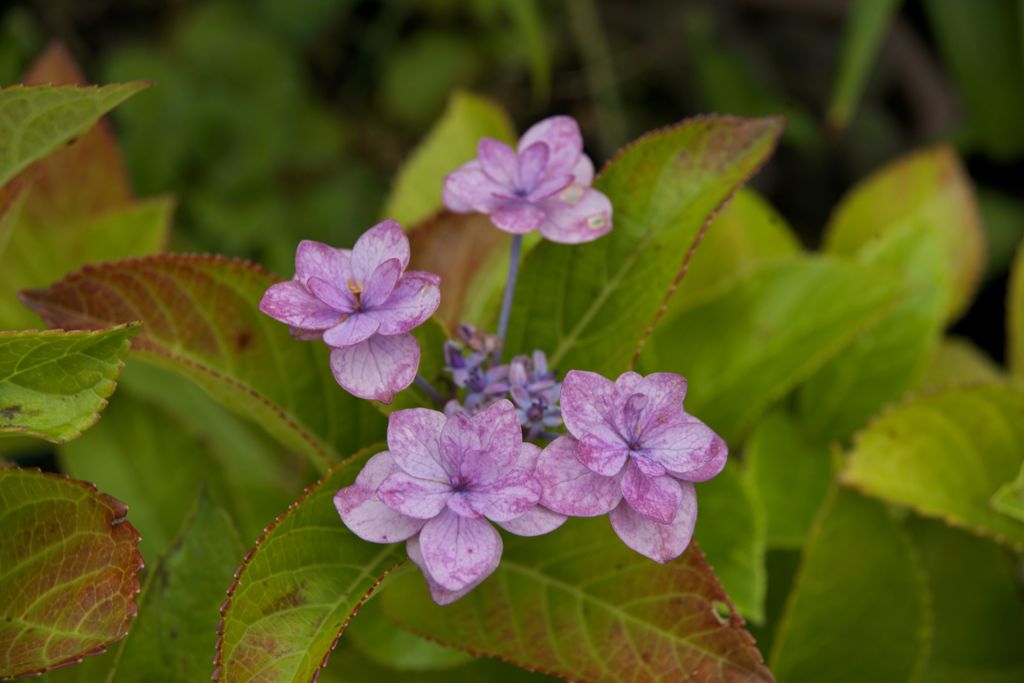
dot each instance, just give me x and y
(362, 303)
(633, 452)
(440, 484)
(543, 185)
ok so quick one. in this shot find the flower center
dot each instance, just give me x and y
(357, 290)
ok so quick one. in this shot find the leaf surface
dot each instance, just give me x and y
(945, 455)
(578, 604)
(590, 306)
(201, 320)
(68, 571)
(54, 384)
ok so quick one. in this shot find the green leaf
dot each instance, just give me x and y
(978, 611)
(175, 632)
(37, 120)
(201, 320)
(982, 43)
(578, 604)
(746, 235)
(382, 641)
(451, 143)
(771, 330)
(1015, 316)
(1009, 498)
(945, 455)
(54, 384)
(68, 571)
(923, 192)
(883, 363)
(43, 248)
(956, 362)
(790, 475)
(299, 587)
(866, 24)
(731, 530)
(858, 611)
(157, 460)
(591, 306)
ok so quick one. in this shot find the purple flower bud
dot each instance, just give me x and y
(543, 185)
(634, 453)
(362, 303)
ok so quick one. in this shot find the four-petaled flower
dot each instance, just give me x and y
(362, 303)
(634, 453)
(545, 185)
(440, 484)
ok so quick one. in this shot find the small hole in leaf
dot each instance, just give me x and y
(722, 611)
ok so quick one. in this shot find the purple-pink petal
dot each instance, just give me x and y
(575, 215)
(459, 551)
(657, 498)
(290, 303)
(354, 329)
(484, 445)
(413, 437)
(583, 171)
(507, 498)
(316, 259)
(499, 162)
(536, 521)
(470, 189)
(413, 300)
(569, 487)
(588, 401)
(377, 368)
(363, 512)
(518, 217)
(660, 542)
(717, 453)
(562, 136)
(419, 498)
(381, 284)
(683, 444)
(603, 457)
(341, 300)
(532, 163)
(440, 594)
(382, 242)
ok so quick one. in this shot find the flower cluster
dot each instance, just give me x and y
(362, 303)
(449, 477)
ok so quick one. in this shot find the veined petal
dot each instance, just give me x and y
(562, 136)
(419, 498)
(601, 456)
(440, 594)
(355, 329)
(536, 521)
(485, 445)
(588, 404)
(458, 551)
(381, 284)
(657, 498)
(413, 300)
(499, 162)
(290, 302)
(364, 513)
(377, 368)
(575, 222)
(684, 445)
(470, 189)
(517, 217)
(316, 259)
(328, 292)
(569, 487)
(413, 437)
(660, 542)
(384, 241)
(507, 498)
(532, 163)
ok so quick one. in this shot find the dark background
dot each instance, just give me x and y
(275, 120)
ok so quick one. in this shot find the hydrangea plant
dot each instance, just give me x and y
(648, 344)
